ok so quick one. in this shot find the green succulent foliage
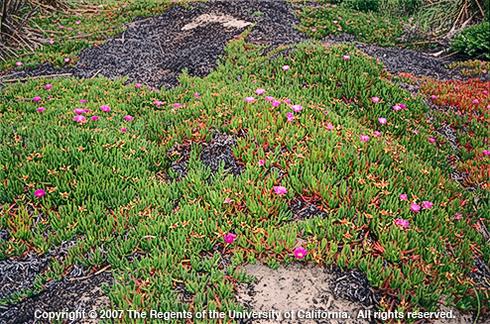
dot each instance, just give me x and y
(474, 41)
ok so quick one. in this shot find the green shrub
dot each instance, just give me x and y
(473, 41)
(363, 5)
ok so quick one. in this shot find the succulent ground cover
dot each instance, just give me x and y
(336, 128)
(313, 154)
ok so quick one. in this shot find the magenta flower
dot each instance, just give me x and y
(375, 99)
(259, 91)
(300, 252)
(433, 97)
(475, 101)
(346, 57)
(124, 130)
(269, 98)
(40, 109)
(486, 152)
(376, 133)
(402, 223)
(261, 162)
(83, 101)
(229, 238)
(79, 111)
(36, 99)
(297, 108)
(485, 92)
(128, 118)
(177, 105)
(227, 200)
(382, 120)
(95, 118)
(458, 216)
(48, 86)
(138, 85)
(414, 207)
(79, 119)
(249, 99)
(330, 127)
(290, 116)
(403, 196)
(285, 67)
(287, 101)
(403, 106)
(197, 95)
(280, 190)
(364, 138)
(426, 204)
(432, 140)
(276, 103)
(397, 107)
(105, 108)
(39, 193)
(18, 64)
(158, 103)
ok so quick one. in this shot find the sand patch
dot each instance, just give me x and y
(226, 20)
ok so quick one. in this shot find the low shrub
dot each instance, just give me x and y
(473, 41)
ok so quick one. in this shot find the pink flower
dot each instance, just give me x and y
(261, 162)
(433, 97)
(260, 91)
(79, 119)
(280, 190)
(403, 106)
(330, 126)
(177, 105)
(229, 238)
(475, 101)
(414, 207)
(78, 22)
(431, 140)
(285, 67)
(40, 109)
(18, 64)
(36, 99)
(158, 103)
(485, 92)
(297, 108)
(197, 95)
(346, 57)
(375, 99)
(269, 98)
(66, 60)
(300, 252)
(403, 196)
(39, 193)
(138, 85)
(105, 108)
(48, 86)
(51, 41)
(403, 223)
(249, 99)
(376, 133)
(486, 152)
(276, 103)
(124, 130)
(426, 204)
(458, 216)
(290, 116)
(83, 101)
(95, 118)
(364, 138)
(128, 118)
(382, 120)
(79, 111)
(227, 200)
(287, 101)
(397, 107)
